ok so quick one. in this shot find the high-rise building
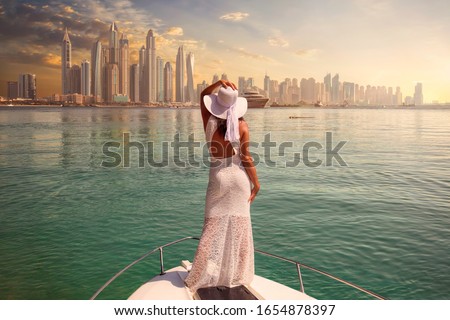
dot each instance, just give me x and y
(134, 82)
(66, 62)
(96, 71)
(418, 94)
(242, 85)
(267, 86)
(12, 90)
(104, 78)
(349, 92)
(327, 88)
(114, 44)
(335, 89)
(190, 78)
(85, 78)
(124, 65)
(179, 77)
(159, 79)
(200, 87)
(112, 81)
(75, 79)
(149, 93)
(398, 97)
(168, 82)
(224, 77)
(141, 74)
(215, 78)
(27, 86)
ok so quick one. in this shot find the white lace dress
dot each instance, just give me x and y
(225, 255)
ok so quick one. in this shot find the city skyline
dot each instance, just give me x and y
(383, 44)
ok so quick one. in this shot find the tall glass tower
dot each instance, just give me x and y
(66, 63)
(179, 77)
(190, 77)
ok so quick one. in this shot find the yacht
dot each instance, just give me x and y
(169, 284)
(255, 99)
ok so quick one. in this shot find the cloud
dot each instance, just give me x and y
(278, 41)
(175, 31)
(234, 16)
(247, 54)
(307, 53)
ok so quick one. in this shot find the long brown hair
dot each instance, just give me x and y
(222, 126)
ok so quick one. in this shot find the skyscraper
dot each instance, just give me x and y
(112, 81)
(190, 78)
(327, 88)
(335, 89)
(150, 69)
(141, 74)
(12, 90)
(168, 82)
(96, 71)
(179, 77)
(27, 86)
(418, 94)
(113, 44)
(215, 78)
(124, 65)
(159, 79)
(267, 85)
(85, 78)
(66, 62)
(134, 82)
(75, 79)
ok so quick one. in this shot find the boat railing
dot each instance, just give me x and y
(298, 265)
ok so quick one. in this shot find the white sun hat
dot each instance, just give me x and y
(227, 105)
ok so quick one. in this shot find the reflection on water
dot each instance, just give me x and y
(67, 223)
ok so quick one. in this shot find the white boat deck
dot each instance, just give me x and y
(170, 286)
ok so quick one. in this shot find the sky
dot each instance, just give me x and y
(368, 42)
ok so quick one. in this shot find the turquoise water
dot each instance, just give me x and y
(67, 223)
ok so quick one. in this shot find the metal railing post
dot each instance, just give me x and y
(302, 289)
(161, 261)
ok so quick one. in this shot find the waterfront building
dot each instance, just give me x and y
(134, 82)
(12, 90)
(96, 71)
(27, 86)
(124, 65)
(267, 86)
(418, 94)
(114, 44)
(327, 88)
(141, 73)
(179, 77)
(215, 78)
(159, 79)
(398, 97)
(112, 81)
(75, 79)
(200, 87)
(349, 92)
(168, 82)
(190, 97)
(335, 89)
(66, 62)
(85, 78)
(149, 90)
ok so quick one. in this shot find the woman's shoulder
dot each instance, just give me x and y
(243, 126)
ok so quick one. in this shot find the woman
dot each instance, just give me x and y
(224, 255)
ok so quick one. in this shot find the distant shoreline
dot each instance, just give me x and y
(293, 107)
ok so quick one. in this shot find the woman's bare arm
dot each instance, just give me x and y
(247, 160)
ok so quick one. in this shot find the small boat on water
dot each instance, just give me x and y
(255, 99)
(169, 285)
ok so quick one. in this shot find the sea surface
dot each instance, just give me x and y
(363, 194)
